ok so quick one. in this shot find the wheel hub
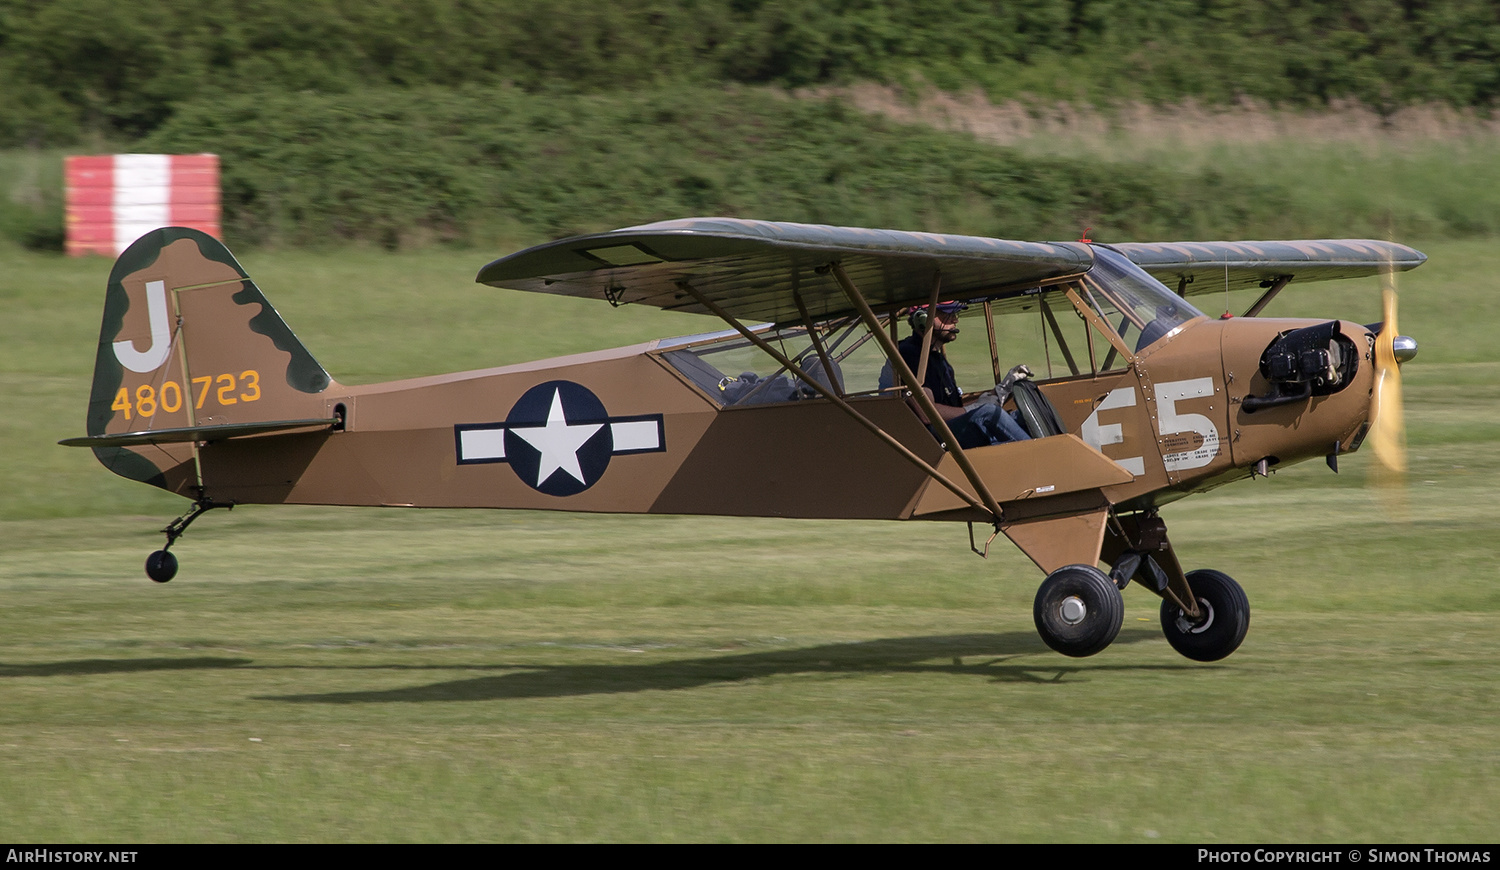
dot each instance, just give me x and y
(1187, 626)
(1073, 610)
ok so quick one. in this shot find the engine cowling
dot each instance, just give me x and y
(1301, 363)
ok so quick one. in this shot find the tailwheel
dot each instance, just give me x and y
(1078, 610)
(1224, 618)
(161, 566)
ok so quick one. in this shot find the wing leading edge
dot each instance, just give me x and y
(1196, 268)
(753, 268)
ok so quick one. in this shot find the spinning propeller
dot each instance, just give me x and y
(1387, 423)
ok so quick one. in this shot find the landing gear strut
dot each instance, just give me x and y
(1204, 613)
(161, 565)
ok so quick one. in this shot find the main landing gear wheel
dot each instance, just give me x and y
(1225, 618)
(161, 566)
(1078, 610)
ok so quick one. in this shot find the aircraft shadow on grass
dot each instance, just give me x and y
(91, 667)
(992, 657)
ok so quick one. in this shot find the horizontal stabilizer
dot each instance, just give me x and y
(198, 433)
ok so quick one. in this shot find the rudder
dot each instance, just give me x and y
(188, 340)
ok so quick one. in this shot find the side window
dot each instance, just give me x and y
(1042, 329)
(734, 371)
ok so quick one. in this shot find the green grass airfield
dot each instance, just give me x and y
(319, 674)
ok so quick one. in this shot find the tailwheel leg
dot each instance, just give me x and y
(161, 565)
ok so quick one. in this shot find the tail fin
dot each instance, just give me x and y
(189, 342)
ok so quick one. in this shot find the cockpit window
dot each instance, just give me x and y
(733, 371)
(1038, 326)
(1140, 308)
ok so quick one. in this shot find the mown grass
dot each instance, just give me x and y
(343, 674)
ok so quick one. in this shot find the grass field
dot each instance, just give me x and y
(341, 674)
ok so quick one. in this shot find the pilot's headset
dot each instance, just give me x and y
(920, 318)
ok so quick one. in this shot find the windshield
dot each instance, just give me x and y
(1140, 308)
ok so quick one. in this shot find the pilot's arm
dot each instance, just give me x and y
(947, 412)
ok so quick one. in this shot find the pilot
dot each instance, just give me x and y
(974, 425)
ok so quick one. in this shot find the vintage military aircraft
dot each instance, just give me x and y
(804, 407)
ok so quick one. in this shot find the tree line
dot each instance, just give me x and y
(74, 69)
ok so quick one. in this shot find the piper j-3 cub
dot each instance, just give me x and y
(803, 407)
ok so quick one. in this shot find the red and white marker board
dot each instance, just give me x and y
(114, 199)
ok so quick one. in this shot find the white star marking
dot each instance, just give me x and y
(558, 442)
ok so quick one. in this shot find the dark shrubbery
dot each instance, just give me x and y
(102, 67)
(31, 199)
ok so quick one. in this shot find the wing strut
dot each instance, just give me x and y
(1267, 296)
(844, 406)
(899, 366)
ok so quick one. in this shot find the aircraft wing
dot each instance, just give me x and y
(751, 268)
(1203, 265)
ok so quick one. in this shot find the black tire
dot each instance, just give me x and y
(161, 566)
(1078, 610)
(1226, 618)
